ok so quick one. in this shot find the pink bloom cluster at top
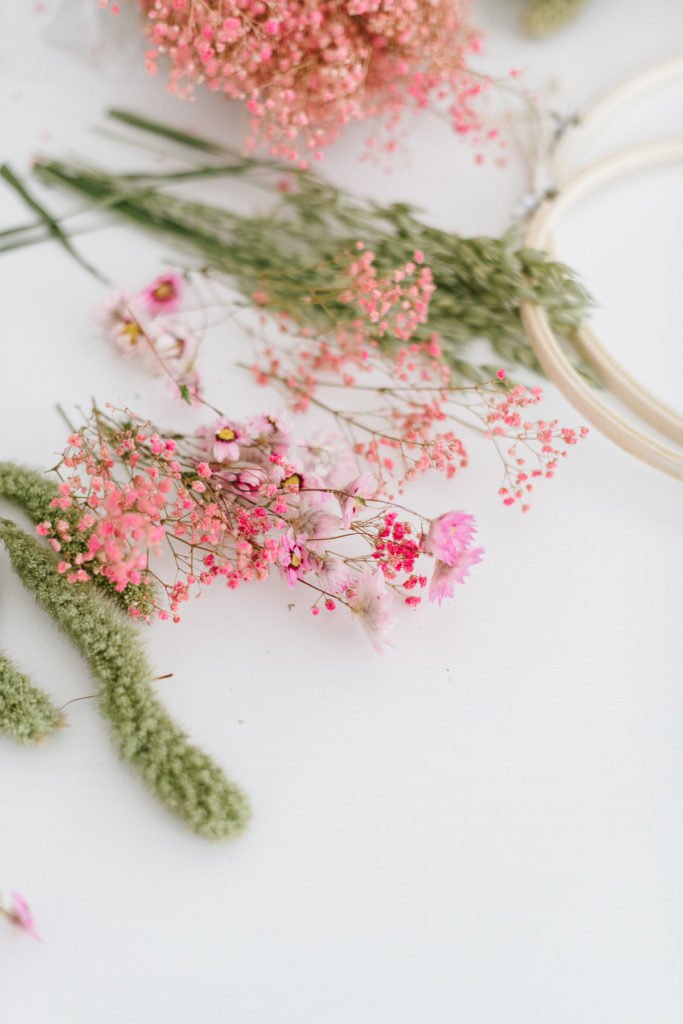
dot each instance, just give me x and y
(306, 68)
(237, 502)
(144, 325)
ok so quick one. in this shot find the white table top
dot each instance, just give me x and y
(486, 825)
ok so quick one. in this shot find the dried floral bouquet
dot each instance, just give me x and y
(359, 296)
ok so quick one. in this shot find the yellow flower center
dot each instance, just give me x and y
(226, 434)
(164, 291)
(131, 330)
(295, 480)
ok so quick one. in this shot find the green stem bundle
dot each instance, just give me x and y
(298, 252)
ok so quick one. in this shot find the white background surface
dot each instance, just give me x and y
(485, 826)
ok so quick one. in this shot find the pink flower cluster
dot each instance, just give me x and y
(413, 412)
(306, 68)
(143, 325)
(506, 419)
(409, 412)
(449, 540)
(237, 502)
(395, 305)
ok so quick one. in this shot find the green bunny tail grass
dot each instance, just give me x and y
(188, 781)
(26, 713)
(543, 17)
(34, 492)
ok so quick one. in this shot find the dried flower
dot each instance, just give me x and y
(19, 913)
(163, 295)
(448, 536)
(306, 69)
(223, 439)
(138, 325)
(446, 575)
(370, 600)
(127, 493)
(353, 496)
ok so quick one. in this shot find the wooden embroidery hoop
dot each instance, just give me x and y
(536, 321)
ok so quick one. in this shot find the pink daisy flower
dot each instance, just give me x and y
(316, 523)
(371, 601)
(292, 557)
(352, 497)
(448, 535)
(163, 295)
(445, 576)
(224, 439)
(120, 317)
(273, 432)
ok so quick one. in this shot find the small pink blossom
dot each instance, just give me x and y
(292, 557)
(448, 536)
(353, 495)
(20, 914)
(172, 348)
(249, 481)
(315, 522)
(330, 457)
(163, 295)
(446, 576)
(121, 319)
(332, 572)
(225, 441)
(271, 431)
(371, 601)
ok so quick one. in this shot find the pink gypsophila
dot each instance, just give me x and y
(306, 68)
